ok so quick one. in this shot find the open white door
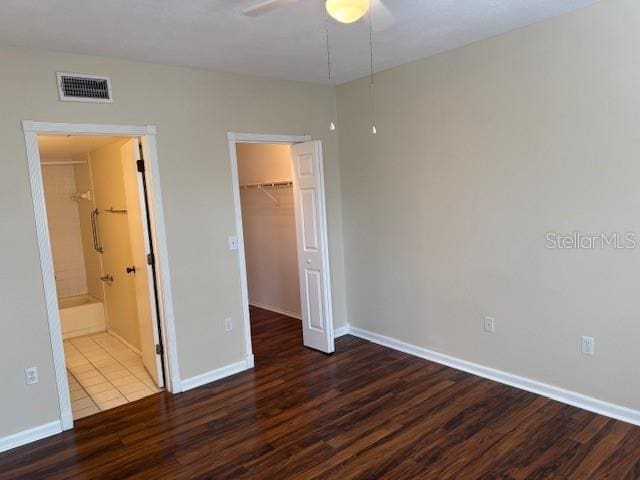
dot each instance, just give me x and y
(140, 249)
(313, 249)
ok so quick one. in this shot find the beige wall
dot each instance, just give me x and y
(92, 261)
(480, 152)
(269, 228)
(64, 229)
(193, 111)
(109, 192)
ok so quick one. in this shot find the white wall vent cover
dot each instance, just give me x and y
(75, 87)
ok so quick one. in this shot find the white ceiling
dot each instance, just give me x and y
(286, 43)
(63, 147)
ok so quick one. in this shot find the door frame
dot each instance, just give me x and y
(147, 134)
(235, 138)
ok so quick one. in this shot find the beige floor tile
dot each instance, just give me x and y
(85, 367)
(85, 412)
(89, 373)
(87, 382)
(132, 397)
(82, 403)
(78, 394)
(112, 403)
(105, 396)
(127, 380)
(134, 387)
(99, 388)
(121, 373)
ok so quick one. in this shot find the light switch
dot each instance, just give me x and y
(233, 242)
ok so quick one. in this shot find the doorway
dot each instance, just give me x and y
(103, 258)
(97, 216)
(279, 197)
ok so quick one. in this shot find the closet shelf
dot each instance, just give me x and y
(264, 186)
(283, 184)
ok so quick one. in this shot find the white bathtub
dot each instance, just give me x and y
(81, 315)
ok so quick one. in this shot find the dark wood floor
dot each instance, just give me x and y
(365, 412)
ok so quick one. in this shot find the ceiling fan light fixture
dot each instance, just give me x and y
(347, 11)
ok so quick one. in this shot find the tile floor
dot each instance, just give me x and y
(104, 373)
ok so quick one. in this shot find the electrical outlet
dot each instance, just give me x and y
(228, 324)
(488, 325)
(588, 345)
(31, 375)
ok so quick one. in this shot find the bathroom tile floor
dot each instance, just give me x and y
(104, 373)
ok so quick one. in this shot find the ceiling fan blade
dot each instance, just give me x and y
(381, 16)
(264, 7)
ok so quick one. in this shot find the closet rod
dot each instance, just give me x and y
(286, 183)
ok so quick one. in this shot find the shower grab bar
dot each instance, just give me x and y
(95, 231)
(116, 210)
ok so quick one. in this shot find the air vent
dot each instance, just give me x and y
(75, 87)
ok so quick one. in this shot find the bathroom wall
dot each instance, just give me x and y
(64, 228)
(92, 261)
(269, 229)
(109, 192)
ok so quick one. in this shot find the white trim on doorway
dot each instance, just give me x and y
(235, 138)
(148, 134)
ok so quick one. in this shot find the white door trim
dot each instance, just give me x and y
(235, 138)
(148, 133)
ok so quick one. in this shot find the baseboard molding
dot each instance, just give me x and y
(273, 309)
(341, 331)
(81, 332)
(219, 373)
(337, 332)
(555, 393)
(31, 435)
(124, 342)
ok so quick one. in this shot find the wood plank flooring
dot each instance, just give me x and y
(365, 412)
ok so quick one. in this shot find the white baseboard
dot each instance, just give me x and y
(124, 342)
(337, 332)
(31, 435)
(271, 308)
(219, 373)
(555, 393)
(341, 331)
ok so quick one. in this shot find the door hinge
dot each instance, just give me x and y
(151, 259)
(140, 165)
(158, 349)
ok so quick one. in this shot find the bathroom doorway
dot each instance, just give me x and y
(103, 257)
(96, 212)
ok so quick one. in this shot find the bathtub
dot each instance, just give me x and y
(81, 315)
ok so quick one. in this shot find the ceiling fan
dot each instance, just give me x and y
(344, 11)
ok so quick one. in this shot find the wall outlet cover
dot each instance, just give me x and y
(588, 345)
(31, 375)
(489, 325)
